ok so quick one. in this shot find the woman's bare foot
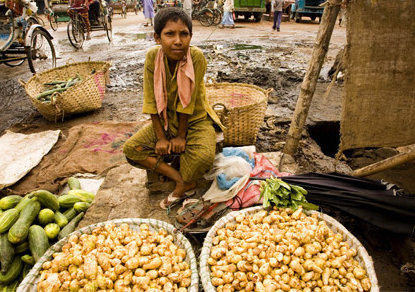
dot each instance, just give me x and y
(179, 191)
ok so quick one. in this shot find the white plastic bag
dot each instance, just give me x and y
(231, 166)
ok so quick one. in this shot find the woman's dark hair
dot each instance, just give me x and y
(170, 13)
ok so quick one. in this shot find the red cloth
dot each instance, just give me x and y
(79, 3)
(15, 5)
(250, 193)
(185, 83)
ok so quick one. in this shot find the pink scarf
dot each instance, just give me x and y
(185, 83)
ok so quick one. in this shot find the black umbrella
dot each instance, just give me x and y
(376, 202)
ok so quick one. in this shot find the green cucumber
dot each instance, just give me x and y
(13, 272)
(6, 253)
(38, 241)
(10, 202)
(8, 218)
(19, 231)
(47, 199)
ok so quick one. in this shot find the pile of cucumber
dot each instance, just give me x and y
(57, 86)
(29, 225)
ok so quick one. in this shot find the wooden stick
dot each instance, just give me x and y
(328, 90)
(386, 163)
(310, 79)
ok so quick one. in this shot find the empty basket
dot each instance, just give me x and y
(241, 108)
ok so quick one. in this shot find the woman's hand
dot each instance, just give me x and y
(178, 144)
(162, 147)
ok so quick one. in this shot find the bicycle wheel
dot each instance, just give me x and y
(53, 21)
(108, 26)
(41, 53)
(32, 20)
(217, 16)
(10, 56)
(206, 18)
(75, 32)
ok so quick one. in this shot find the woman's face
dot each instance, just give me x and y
(174, 39)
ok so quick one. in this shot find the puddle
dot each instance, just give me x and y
(240, 47)
(148, 36)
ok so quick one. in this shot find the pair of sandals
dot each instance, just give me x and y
(172, 200)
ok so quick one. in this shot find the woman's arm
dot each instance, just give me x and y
(162, 145)
(178, 143)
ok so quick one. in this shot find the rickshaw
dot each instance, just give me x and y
(58, 12)
(118, 7)
(22, 38)
(76, 28)
(133, 6)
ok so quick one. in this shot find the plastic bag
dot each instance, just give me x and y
(231, 166)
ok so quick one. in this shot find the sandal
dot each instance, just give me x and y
(171, 200)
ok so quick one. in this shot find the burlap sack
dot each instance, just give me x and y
(379, 99)
(87, 148)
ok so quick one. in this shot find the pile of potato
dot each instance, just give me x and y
(283, 250)
(116, 258)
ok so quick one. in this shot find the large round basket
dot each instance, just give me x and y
(29, 283)
(362, 256)
(84, 96)
(241, 108)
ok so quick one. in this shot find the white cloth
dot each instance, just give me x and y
(20, 153)
(277, 5)
(187, 7)
(215, 195)
(228, 6)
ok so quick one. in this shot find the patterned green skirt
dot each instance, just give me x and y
(194, 162)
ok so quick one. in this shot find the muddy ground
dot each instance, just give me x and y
(252, 53)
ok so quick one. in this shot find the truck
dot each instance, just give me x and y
(309, 8)
(249, 8)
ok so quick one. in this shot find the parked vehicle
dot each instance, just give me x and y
(118, 7)
(76, 28)
(23, 38)
(57, 11)
(206, 16)
(249, 8)
(309, 8)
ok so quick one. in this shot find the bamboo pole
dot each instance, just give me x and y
(386, 163)
(310, 79)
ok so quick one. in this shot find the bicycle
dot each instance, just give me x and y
(202, 13)
(21, 38)
(76, 28)
(57, 13)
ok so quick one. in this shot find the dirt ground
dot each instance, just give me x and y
(252, 53)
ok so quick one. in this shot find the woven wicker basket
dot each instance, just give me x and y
(241, 109)
(29, 283)
(85, 96)
(362, 256)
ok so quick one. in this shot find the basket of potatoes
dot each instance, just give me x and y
(284, 250)
(119, 255)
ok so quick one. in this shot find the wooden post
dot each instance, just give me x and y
(386, 163)
(310, 79)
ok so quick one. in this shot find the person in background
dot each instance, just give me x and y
(342, 14)
(174, 95)
(94, 9)
(148, 10)
(227, 19)
(277, 7)
(82, 6)
(187, 7)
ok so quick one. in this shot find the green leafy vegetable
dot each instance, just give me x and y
(276, 192)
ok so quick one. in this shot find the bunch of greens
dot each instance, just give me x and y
(276, 192)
